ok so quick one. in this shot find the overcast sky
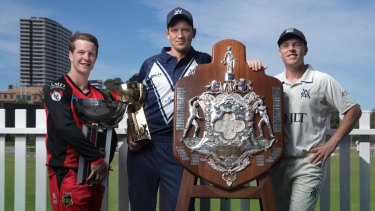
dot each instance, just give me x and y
(340, 33)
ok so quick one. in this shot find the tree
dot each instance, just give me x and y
(112, 84)
(115, 83)
(133, 78)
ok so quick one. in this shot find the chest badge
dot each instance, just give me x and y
(305, 93)
(56, 95)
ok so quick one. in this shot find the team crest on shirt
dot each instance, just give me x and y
(67, 199)
(305, 93)
(56, 95)
(190, 71)
(190, 68)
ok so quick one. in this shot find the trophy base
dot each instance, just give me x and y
(139, 125)
(143, 142)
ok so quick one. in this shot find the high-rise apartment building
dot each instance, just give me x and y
(44, 51)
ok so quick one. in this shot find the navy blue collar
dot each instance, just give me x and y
(166, 57)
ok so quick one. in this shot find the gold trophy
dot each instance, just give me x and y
(135, 95)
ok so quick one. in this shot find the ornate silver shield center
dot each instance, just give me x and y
(229, 139)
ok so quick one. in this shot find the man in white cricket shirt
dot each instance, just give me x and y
(308, 96)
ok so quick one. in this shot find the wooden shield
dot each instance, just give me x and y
(216, 134)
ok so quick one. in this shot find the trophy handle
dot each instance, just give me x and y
(84, 165)
(81, 164)
(143, 93)
(108, 141)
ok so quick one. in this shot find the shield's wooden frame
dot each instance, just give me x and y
(195, 86)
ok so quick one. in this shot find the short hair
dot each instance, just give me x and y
(82, 36)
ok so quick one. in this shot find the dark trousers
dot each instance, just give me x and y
(154, 165)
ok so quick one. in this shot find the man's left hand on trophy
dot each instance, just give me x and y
(133, 146)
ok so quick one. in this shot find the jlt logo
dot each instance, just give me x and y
(294, 118)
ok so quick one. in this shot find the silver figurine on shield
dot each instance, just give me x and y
(230, 61)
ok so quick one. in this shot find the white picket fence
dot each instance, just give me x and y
(20, 131)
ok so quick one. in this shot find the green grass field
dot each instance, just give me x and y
(215, 203)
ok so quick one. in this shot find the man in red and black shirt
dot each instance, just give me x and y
(65, 141)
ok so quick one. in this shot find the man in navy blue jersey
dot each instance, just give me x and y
(154, 164)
